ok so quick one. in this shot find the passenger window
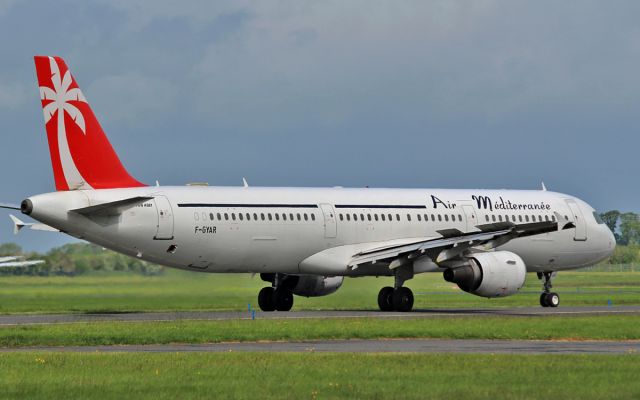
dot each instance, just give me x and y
(526, 218)
(369, 217)
(361, 217)
(553, 218)
(419, 218)
(262, 216)
(219, 217)
(240, 216)
(500, 218)
(409, 217)
(513, 218)
(248, 217)
(284, 216)
(486, 217)
(211, 216)
(459, 217)
(520, 218)
(341, 217)
(298, 217)
(348, 217)
(305, 217)
(313, 217)
(269, 216)
(546, 218)
(540, 218)
(233, 216)
(453, 218)
(426, 218)
(375, 216)
(439, 217)
(493, 218)
(446, 218)
(355, 217)
(277, 217)
(226, 216)
(291, 216)
(397, 217)
(382, 216)
(196, 216)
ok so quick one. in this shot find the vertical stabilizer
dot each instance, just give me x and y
(81, 154)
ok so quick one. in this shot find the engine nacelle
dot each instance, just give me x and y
(314, 286)
(492, 274)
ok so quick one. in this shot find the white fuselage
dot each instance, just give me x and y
(315, 230)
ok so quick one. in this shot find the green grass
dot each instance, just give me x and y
(317, 376)
(176, 291)
(612, 327)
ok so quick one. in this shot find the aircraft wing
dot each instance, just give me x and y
(454, 243)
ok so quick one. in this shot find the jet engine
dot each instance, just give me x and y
(313, 286)
(492, 274)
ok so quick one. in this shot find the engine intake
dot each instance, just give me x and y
(493, 274)
(313, 286)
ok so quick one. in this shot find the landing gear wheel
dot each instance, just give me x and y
(402, 299)
(543, 300)
(283, 299)
(266, 299)
(549, 300)
(385, 299)
(552, 299)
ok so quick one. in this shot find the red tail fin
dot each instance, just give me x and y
(81, 154)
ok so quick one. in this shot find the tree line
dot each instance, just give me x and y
(76, 259)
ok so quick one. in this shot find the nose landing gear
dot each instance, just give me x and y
(548, 298)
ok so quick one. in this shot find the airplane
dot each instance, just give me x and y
(14, 261)
(305, 241)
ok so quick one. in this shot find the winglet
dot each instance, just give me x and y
(17, 224)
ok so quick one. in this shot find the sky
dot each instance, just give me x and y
(446, 94)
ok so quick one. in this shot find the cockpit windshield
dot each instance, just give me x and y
(598, 218)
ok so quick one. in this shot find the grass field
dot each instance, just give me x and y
(612, 327)
(317, 376)
(177, 290)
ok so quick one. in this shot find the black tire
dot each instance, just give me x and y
(283, 299)
(266, 299)
(543, 300)
(385, 299)
(553, 300)
(403, 299)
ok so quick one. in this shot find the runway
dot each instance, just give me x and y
(47, 319)
(371, 346)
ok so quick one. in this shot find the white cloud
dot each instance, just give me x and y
(12, 95)
(132, 99)
(5, 6)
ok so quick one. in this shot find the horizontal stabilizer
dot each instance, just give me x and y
(112, 207)
(18, 225)
(10, 206)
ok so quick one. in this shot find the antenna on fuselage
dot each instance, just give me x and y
(244, 182)
(544, 188)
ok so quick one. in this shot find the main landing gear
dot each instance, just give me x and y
(277, 297)
(548, 298)
(398, 298)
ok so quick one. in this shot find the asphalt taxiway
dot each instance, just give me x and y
(371, 346)
(45, 319)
